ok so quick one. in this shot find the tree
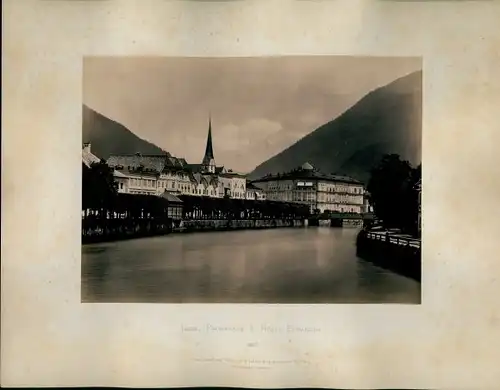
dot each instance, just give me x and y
(99, 189)
(392, 192)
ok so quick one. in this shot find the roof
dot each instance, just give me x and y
(119, 174)
(209, 179)
(213, 180)
(88, 158)
(170, 197)
(154, 162)
(198, 168)
(307, 167)
(200, 179)
(232, 174)
(194, 167)
(304, 174)
(134, 161)
(175, 162)
(251, 186)
(137, 173)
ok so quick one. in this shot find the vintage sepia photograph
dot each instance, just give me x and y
(277, 180)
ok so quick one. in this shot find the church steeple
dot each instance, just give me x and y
(208, 162)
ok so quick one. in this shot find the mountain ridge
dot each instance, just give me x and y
(386, 120)
(108, 136)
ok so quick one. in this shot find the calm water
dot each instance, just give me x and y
(302, 265)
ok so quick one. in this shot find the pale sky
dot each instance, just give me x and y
(259, 106)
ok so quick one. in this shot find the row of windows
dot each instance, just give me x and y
(294, 193)
(340, 199)
(143, 183)
(304, 198)
(343, 209)
(194, 191)
(358, 192)
(238, 194)
(141, 192)
(164, 185)
(321, 187)
(280, 187)
(173, 185)
(348, 189)
(255, 196)
(174, 177)
(239, 186)
(184, 188)
(175, 212)
(287, 197)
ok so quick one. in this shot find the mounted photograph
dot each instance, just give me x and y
(275, 180)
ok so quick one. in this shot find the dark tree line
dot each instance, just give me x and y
(393, 194)
(99, 190)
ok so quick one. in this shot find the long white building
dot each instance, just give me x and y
(157, 174)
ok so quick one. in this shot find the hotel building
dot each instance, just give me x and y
(322, 192)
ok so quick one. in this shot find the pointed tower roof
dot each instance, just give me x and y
(307, 167)
(209, 152)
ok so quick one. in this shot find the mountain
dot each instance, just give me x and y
(387, 120)
(109, 137)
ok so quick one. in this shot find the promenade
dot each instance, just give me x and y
(391, 249)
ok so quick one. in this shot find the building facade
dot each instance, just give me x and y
(254, 193)
(157, 174)
(322, 192)
(136, 182)
(233, 185)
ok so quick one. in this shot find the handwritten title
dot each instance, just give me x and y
(262, 328)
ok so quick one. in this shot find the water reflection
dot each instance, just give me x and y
(313, 265)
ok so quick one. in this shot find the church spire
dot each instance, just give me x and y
(208, 160)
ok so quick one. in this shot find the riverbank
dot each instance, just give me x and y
(149, 229)
(354, 223)
(343, 220)
(391, 251)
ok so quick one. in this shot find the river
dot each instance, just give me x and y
(289, 265)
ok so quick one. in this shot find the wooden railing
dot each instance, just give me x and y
(387, 237)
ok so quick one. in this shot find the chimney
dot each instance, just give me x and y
(86, 147)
